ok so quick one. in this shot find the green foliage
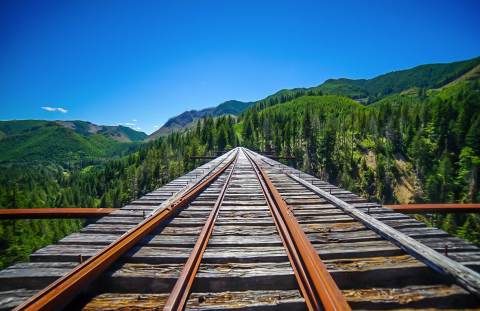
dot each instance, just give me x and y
(131, 134)
(17, 127)
(57, 143)
(9, 128)
(425, 76)
(421, 77)
(436, 132)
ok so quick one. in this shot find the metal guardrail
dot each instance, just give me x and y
(435, 208)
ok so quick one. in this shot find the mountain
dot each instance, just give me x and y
(118, 133)
(8, 128)
(424, 76)
(58, 143)
(189, 119)
(428, 76)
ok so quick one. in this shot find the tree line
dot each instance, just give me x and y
(341, 141)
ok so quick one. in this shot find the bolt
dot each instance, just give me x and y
(80, 258)
(143, 214)
(446, 250)
(201, 298)
(368, 212)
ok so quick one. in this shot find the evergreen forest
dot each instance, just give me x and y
(415, 145)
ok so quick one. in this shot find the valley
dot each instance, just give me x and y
(413, 139)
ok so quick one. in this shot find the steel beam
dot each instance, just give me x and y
(435, 208)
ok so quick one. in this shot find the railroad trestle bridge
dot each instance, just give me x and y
(244, 232)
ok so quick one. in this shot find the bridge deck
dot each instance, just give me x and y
(245, 265)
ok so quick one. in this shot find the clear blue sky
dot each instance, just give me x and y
(113, 62)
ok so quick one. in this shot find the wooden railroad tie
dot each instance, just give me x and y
(245, 248)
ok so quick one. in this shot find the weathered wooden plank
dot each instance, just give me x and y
(424, 232)
(211, 255)
(160, 278)
(454, 244)
(65, 253)
(175, 240)
(247, 300)
(411, 297)
(387, 271)
(33, 275)
(357, 250)
(107, 228)
(147, 254)
(11, 299)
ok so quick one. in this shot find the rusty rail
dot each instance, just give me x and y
(317, 285)
(57, 294)
(180, 293)
(435, 208)
(51, 213)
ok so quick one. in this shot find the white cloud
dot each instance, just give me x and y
(55, 109)
(130, 124)
(120, 123)
(155, 126)
(139, 128)
(134, 120)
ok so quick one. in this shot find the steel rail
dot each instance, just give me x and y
(51, 213)
(57, 294)
(179, 295)
(317, 285)
(292, 254)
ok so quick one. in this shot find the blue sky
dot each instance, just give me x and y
(113, 62)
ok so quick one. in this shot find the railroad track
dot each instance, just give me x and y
(248, 240)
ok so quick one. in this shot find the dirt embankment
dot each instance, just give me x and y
(407, 188)
(370, 157)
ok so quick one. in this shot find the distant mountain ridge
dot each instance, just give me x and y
(54, 142)
(116, 132)
(189, 119)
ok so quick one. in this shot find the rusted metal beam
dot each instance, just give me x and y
(181, 290)
(316, 283)
(59, 292)
(202, 157)
(51, 213)
(435, 208)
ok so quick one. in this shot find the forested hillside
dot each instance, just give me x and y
(418, 145)
(54, 142)
(421, 147)
(428, 76)
(16, 127)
